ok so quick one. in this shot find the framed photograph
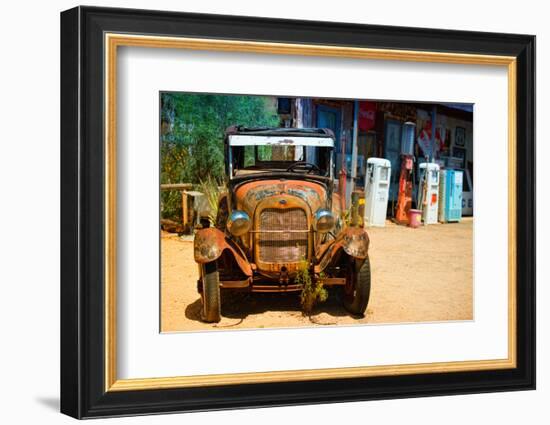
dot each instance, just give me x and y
(460, 155)
(460, 136)
(246, 222)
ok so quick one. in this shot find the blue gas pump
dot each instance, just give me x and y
(453, 195)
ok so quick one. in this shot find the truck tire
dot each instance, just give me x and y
(357, 289)
(211, 303)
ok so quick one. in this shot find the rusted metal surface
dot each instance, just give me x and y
(250, 194)
(281, 208)
(276, 288)
(280, 194)
(334, 281)
(210, 243)
(268, 256)
(336, 204)
(233, 284)
(292, 287)
(268, 239)
(354, 241)
(276, 243)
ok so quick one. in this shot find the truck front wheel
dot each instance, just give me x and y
(357, 288)
(210, 295)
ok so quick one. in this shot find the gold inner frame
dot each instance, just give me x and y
(113, 41)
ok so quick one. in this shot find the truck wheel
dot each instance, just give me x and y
(210, 295)
(357, 289)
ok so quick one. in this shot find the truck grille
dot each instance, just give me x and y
(283, 235)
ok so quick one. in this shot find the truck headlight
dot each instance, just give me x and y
(238, 223)
(324, 221)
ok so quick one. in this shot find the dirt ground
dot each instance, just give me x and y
(423, 274)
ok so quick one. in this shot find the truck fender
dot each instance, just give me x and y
(353, 241)
(210, 243)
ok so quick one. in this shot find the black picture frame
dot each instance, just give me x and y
(83, 392)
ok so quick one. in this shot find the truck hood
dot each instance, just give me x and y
(250, 194)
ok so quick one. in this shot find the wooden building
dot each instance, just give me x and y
(364, 129)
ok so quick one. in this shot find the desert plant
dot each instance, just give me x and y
(210, 187)
(351, 216)
(312, 292)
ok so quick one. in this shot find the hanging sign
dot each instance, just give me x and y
(367, 115)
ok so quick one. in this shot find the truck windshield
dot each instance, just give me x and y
(265, 158)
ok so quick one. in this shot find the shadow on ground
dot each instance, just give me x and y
(49, 402)
(240, 305)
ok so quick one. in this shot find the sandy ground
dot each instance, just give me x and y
(423, 274)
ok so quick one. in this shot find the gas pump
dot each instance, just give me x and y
(442, 196)
(428, 193)
(405, 188)
(453, 195)
(377, 186)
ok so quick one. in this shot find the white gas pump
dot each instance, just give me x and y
(428, 192)
(377, 185)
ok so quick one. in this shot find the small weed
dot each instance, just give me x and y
(312, 293)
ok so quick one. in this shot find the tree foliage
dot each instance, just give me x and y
(192, 131)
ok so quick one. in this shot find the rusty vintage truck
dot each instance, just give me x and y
(278, 213)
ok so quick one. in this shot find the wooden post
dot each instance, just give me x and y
(432, 141)
(176, 186)
(353, 176)
(184, 214)
(354, 222)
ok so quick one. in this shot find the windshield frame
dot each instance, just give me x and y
(262, 166)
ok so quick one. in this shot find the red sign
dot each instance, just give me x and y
(367, 115)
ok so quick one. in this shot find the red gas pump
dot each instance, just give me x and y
(404, 196)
